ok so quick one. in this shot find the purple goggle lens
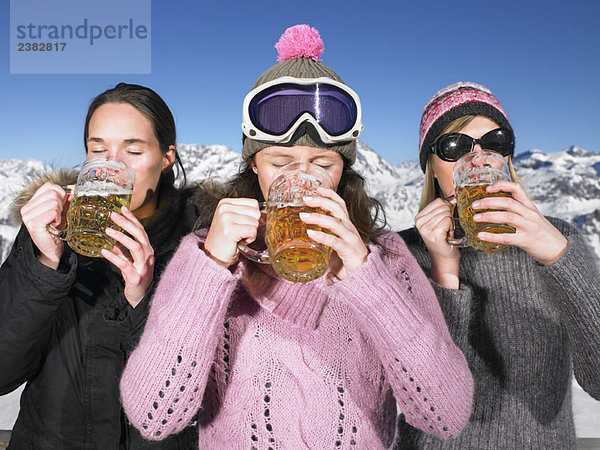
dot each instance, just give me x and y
(276, 109)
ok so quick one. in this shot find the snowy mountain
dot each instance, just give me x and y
(208, 161)
(564, 184)
(13, 174)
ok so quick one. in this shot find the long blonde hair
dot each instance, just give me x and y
(430, 188)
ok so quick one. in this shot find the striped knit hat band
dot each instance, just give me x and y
(455, 101)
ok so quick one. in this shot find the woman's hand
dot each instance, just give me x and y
(350, 252)
(48, 206)
(235, 220)
(132, 254)
(534, 233)
(434, 223)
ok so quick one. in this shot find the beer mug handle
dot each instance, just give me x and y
(457, 242)
(460, 242)
(259, 256)
(61, 234)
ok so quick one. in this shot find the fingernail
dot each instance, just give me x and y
(477, 217)
(109, 230)
(307, 198)
(304, 215)
(475, 204)
(310, 232)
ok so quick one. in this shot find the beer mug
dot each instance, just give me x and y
(293, 255)
(102, 187)
(472, 174)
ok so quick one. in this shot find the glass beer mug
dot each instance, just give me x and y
(472, 174)
(103, 186)
(293, 255)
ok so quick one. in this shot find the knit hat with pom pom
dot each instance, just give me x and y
(299, 48)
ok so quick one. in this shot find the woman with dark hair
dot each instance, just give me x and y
(526, 318)
(270, 363)
(68, 322)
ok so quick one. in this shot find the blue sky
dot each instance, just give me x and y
(541, 58)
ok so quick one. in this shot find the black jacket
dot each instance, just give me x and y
(68, 333)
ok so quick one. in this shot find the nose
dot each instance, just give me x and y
(112, 154)
(477, 148)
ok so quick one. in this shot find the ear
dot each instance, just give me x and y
(254, 169)
(169, 158)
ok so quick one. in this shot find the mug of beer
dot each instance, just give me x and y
(472, 174)
(293, 255)
(103, 186)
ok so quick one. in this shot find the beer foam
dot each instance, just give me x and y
(102, 189)
(485, 175)
(286, 204)
(303, 176)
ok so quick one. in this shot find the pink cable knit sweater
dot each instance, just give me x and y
(269, 363)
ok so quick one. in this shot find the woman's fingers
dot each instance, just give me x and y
(330, 240)
(435, 207)
(501, 217)
(441, 223)
(333, 224)
(138, 252)
(330, 201)
(434, 223)
(132, 254)
(503, 204)
(136, 241)
(237, 211)
(521, 213)
(430, 219)
(118, 258)
(342, 236)
(515, 189)
(130, 224)
(235, 220)
(47, 206)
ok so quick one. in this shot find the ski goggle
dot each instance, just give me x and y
(450, 147)
(273, 111)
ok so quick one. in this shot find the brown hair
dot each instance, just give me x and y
(430, 186)
(366, 213)
(151, 105)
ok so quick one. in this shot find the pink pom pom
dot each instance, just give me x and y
(299, 41)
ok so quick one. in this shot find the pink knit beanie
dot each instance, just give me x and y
(457, 100)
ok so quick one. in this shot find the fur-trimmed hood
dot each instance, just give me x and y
(62, 177)
(204, 195)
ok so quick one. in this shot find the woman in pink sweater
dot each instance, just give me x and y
(261, 362)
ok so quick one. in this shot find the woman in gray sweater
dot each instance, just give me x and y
(526, 318)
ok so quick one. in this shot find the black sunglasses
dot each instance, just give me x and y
(451, 146)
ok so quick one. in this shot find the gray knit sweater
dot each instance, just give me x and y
(524, 329)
